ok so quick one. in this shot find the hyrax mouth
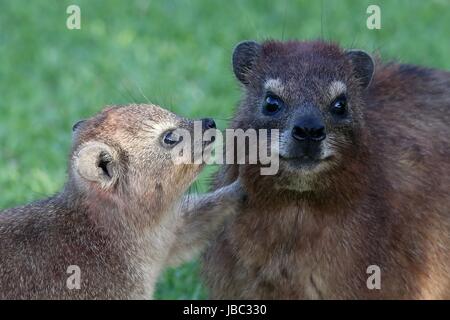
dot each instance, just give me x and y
(304, 155)
(305, 162)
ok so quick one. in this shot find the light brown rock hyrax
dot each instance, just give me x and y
(360, 207)
(119, 219)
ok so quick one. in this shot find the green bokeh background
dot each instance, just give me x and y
(174, 53)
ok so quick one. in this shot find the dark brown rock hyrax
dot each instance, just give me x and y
(364, 178)
(120, 218)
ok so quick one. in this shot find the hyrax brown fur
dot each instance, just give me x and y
(364, 179)
(120, 218)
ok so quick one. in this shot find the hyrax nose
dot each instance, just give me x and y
(311, 129)
(208, 123)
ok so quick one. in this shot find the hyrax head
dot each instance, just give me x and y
(130, 154)
(312, 93)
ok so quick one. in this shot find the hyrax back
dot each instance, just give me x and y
(363, 183)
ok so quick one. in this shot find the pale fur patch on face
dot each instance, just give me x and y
(275, 86)
(284, 143)
(327, 149)
(336, 88)
(157, 128)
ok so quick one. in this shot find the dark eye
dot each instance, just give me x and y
(272, 105)
(339, 106)
(171, 138)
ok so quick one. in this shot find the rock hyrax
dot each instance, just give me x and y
(119, 218)
(360, 207)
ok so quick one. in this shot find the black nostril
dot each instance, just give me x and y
(317, 134)
(299, 133)
(303, 133)
(208, 123)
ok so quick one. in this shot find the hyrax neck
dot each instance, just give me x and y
(131, 222)
(134, 232)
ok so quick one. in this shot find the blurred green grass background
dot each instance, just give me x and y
(175, 53)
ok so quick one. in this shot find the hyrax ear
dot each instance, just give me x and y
(77, 125)
(363, 66)
(97, 162)
(244, 57)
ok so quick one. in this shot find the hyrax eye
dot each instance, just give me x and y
(339, 106)
(171, 138)
(272, 105)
